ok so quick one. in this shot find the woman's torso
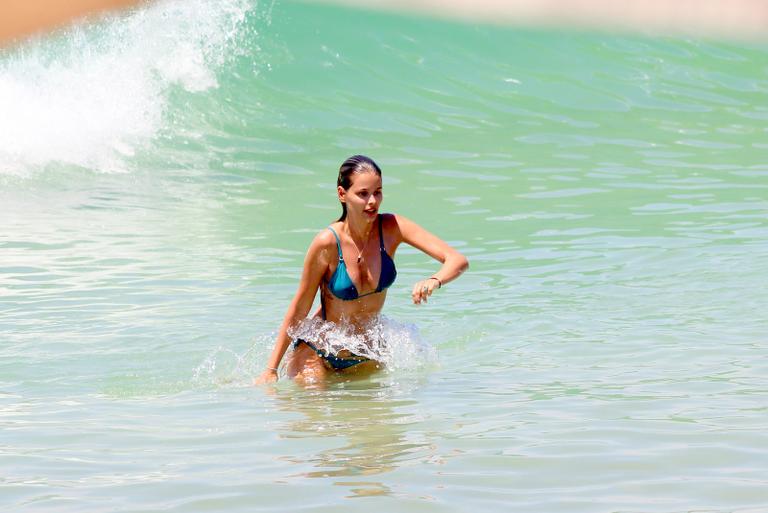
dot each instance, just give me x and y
(366, 275)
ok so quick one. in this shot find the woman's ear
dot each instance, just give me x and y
(341, 193)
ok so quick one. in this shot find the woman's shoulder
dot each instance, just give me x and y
(393, 222)
(390, 220)
(323, 241)
(393, 219)
(391, 226)
(401, 228)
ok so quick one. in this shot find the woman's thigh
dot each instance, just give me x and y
(305, 364)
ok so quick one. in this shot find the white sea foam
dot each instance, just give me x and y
(94, 94)
(396, 345)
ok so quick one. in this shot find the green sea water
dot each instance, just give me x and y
(162, 173)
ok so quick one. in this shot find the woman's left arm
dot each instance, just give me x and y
(454, 263)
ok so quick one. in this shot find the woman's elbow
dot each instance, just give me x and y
(462, 263)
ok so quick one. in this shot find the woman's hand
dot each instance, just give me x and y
(423, 289)
(268, 376)
(454, 263)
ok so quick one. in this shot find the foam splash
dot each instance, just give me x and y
(225, 367)
(95, 94)
(394, 344)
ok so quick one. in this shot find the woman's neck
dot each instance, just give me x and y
(360, 231)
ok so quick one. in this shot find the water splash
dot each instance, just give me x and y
(92, 96)
(225, 367)
(396, 345)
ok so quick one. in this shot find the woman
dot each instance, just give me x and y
(351, 262)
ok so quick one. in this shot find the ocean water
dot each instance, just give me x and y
(161, 175)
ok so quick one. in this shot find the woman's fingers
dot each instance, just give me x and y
(265, 378)
(417, 293)
(422, 290)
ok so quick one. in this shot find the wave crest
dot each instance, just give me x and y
(92, 95)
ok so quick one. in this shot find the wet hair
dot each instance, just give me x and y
(354, 164)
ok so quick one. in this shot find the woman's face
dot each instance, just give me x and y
(364, 196)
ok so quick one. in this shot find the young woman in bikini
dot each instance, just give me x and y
(352, 264)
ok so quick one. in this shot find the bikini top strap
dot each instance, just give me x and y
(338, 243)
(381, 235)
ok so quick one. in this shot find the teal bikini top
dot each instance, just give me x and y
(341, 284)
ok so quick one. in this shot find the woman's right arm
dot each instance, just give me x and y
(315, 265)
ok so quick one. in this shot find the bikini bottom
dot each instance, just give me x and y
(332, 361)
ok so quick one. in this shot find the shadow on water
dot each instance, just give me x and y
(363, 427)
